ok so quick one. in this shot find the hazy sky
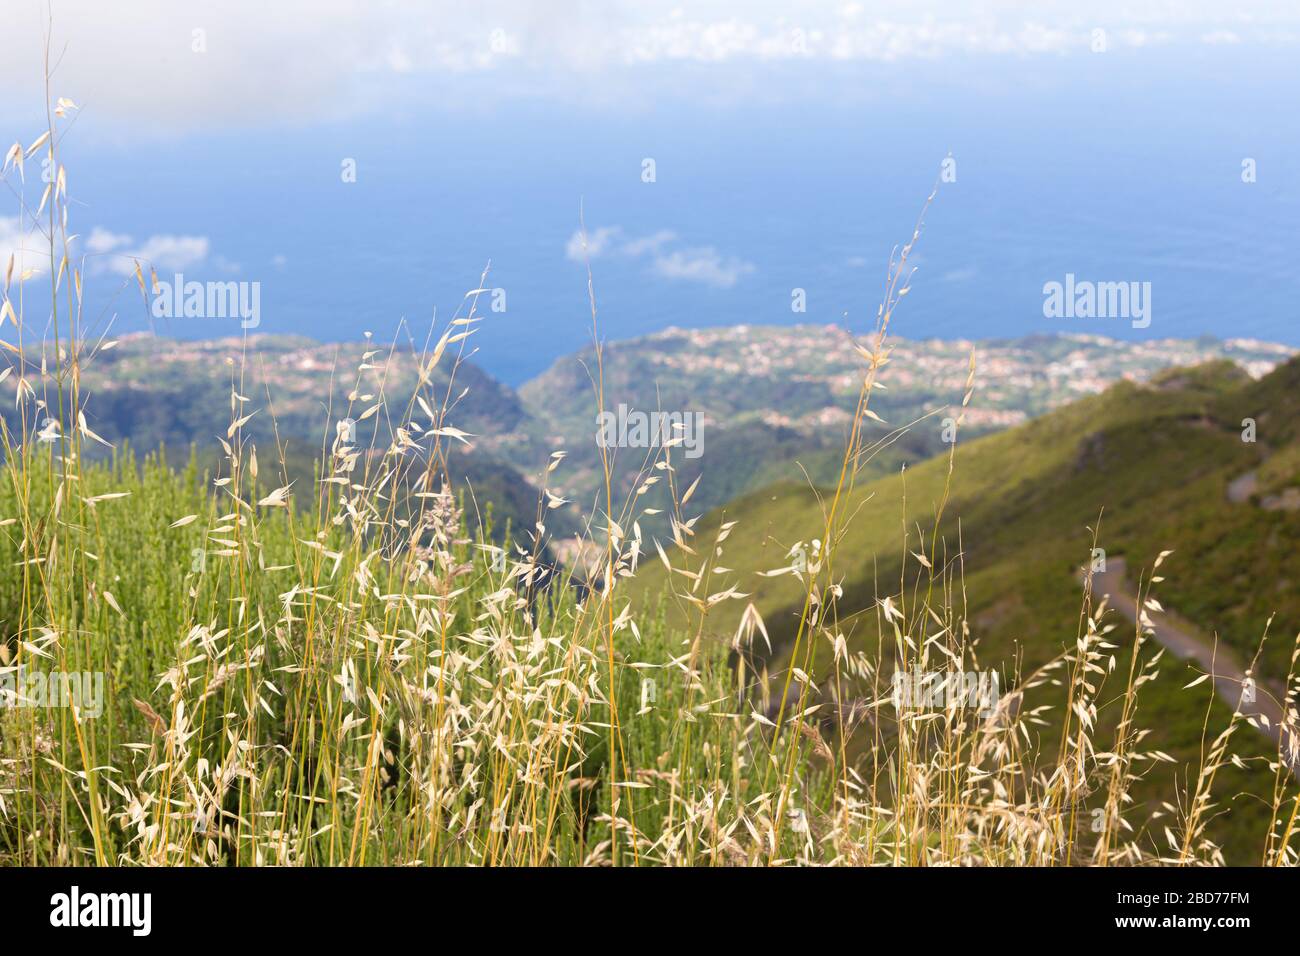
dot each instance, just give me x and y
(266, 62)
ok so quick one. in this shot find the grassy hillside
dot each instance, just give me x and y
(280, 687)
(1148, 466)
(357, 680)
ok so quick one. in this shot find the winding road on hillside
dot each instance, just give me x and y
(1228, 674)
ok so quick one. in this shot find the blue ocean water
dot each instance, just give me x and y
(1118, 168)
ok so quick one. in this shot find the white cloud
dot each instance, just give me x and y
(702, 264)
(115, 252)
(257, 62)
(166, 66)
(598, 243)
(651, 243)
(101, 241)
(106, 251)
(29, 248)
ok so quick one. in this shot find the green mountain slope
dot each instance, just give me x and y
(1154, 462)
